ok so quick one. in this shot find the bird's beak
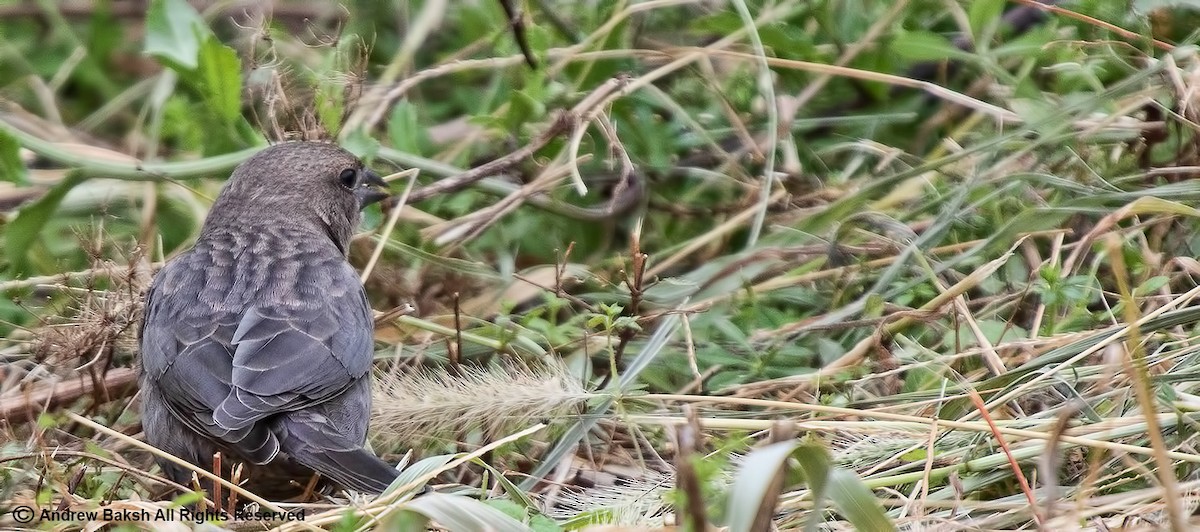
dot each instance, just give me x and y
(369, 188)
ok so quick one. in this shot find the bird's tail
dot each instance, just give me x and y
(355, 469)
(328, 438)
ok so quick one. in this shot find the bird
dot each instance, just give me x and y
(258, 341)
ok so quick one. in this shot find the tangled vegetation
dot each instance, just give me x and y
(832, 264)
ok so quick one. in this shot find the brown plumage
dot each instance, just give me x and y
(258, 342)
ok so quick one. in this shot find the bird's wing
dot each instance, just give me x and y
(288, 357)
(187, 353)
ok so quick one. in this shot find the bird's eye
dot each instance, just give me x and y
(347, 177)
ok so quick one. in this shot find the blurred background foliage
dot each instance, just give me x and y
(949, 135)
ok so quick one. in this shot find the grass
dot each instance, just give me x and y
(838, 265)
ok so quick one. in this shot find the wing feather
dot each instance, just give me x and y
(188, 357)
(286, 359)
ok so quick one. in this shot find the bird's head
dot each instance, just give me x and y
(304, 182)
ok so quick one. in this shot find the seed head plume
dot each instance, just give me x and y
(435, 404)
(636, 502)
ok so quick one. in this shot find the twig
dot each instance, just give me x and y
(1044, 5)
(216, 470)
(396, 207)
(687, 448)
(1012, 461)
(636, 285)
(621, 202)
(117, 383)
(565, 121)
(517, 24)
(469, 227)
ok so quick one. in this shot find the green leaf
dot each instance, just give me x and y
(983, 17)
(1032, 112)
(361, 144)
(1146, 6)
(93, 447)
(404, 128)
(926, 46)
(1154, 205)
(12, 169)
(753, 478)
(25, 228)
(46, 420)
(915, 455)
(541, 523)
(174, 32)
(423, 467)
(220, 78)
(350, 522)
(464, 514)
(187, 499)
(518, 495)
(875, 305)
(816, 464)
(856, 503)
(1151, 285)
(994, 331)
(1028, 46)
(538, 522)
(540, 40)
(407, 521)
(522, 108)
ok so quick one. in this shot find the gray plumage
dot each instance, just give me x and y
(258, 342)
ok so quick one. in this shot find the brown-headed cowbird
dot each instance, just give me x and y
(258, 342)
